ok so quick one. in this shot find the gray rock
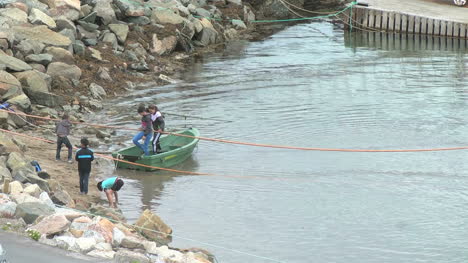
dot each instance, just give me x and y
(117, 237)
(166, 17)
(15, 15)
(60, 55)
(22, 101)
(130, 9)
(37, 17)
(230, 34)
(35, 4)
(125, 256)
(63, 23)
(33, 190)
(66, 242)
(43, 59)
(70, 34)
(238, 24)
(105, 12)
(13, 63)
(40, 34)
(32, 81)
(95, 105)
(7, 209)
(9, 85)
(86, 9)
(111, 39)
(140, 20)
(29, 212)
(235, 2)
(30, 47)
(68, 13)
(130, 55)
(90, 41)
(44, 197)
(103, 74)
(120, 30)
(202, 12)
(88, 26)
(165, 46)
(97, 253)
(248, 14)
(97, 91)
(71, 72)
(38, 67)
(4, 45)
(25, 175)
(142, 66)
(85, 244)
(207, 36)
(90, 18)
(79, 47)
(132, 243)
(61, 197)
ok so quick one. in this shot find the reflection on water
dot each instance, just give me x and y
(314, 85)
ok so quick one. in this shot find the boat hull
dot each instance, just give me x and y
(176, 149)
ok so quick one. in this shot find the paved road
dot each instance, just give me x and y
(438, 9)
(25, 250)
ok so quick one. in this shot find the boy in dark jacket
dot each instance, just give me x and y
(146, 130)
(62, 129)
(84, 156)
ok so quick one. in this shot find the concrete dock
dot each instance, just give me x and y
(429, 17)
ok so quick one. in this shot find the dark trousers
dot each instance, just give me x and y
(155, 142)
(60, 141)
(84, 178)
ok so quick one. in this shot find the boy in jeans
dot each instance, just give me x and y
(62, 129)
(84, 156)
(146, 130)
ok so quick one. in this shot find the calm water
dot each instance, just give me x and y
(310, 86)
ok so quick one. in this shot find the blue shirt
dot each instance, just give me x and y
(108, 183)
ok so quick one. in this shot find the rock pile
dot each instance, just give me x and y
(40, 205)
(57, 53)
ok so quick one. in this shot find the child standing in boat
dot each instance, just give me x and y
(158, 127)
(146, 130)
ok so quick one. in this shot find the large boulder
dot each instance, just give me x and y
(7, 209)
(43, 59)
(33, 190)
(22, 101)
(31, 211)
(152, 227)
(32, 81)
(13, 63)
(207, 36)
(38, 17)
(125, 256)
(85, 244)
(52, 224)
(120, 30)
(57, 69)
(165, 16)
(165, 46)
(61, 197)
(40, 34)
(104, 11)
(60, 55)
(132, 242)
(27, 47)
(9, 84)
(16, 161)
(27, 176)
(14, 15)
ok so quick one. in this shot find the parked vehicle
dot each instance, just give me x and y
(459, 2)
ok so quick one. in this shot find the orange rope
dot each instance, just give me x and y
(257, 144)
(143, 165)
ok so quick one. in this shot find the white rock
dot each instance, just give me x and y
(46, 241)
(44, 197)
(16, 188)
(7, 209)
(98, 237)
(102, 254)
(68, 213)
(117, 237)
(25, 198)
(38, 17)
(166, 254)
(80, 226)
(65, 242)
(103, 247)
(85, 244)
(33, 190)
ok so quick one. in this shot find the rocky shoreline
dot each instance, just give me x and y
(60, 56)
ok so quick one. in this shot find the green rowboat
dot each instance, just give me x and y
(175, 149)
